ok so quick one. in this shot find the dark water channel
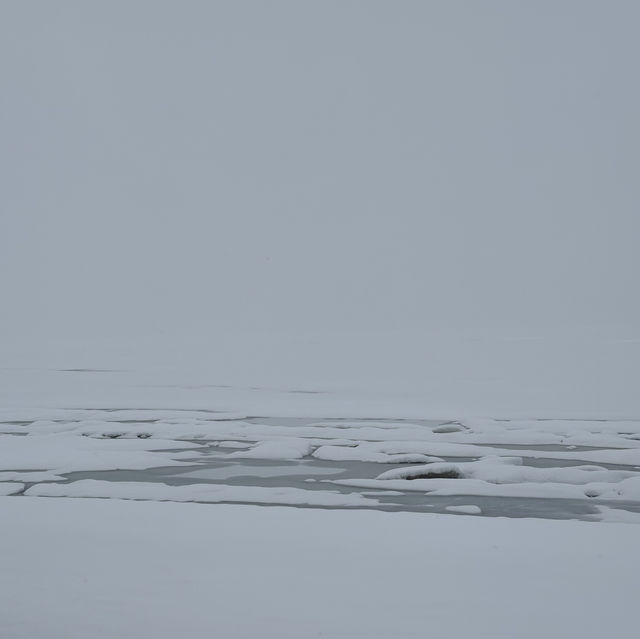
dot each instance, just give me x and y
(312, 474)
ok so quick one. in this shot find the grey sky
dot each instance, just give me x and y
(196, 165)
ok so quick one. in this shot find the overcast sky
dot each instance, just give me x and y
(303, 166)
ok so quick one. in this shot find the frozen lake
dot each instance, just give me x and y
(552, 469)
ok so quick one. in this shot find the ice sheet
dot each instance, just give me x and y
(74, 568)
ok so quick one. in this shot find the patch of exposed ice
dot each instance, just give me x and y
(237, 470)
(383, 492)
(283, 448)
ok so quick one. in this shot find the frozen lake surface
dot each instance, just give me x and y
(552, 469)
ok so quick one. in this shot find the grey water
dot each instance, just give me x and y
(311, 474)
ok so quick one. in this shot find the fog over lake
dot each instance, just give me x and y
(300, 167)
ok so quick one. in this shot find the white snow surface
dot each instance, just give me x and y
(69, 450)
(626, 490)
(283, 448)
(206, 493)
(509, 470)
(10, 488)
(522, 372)
(465, 509)
(73, 569)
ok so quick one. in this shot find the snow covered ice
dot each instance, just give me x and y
(559, 468)
(319, 319)
(156, 570)
(448, 523)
